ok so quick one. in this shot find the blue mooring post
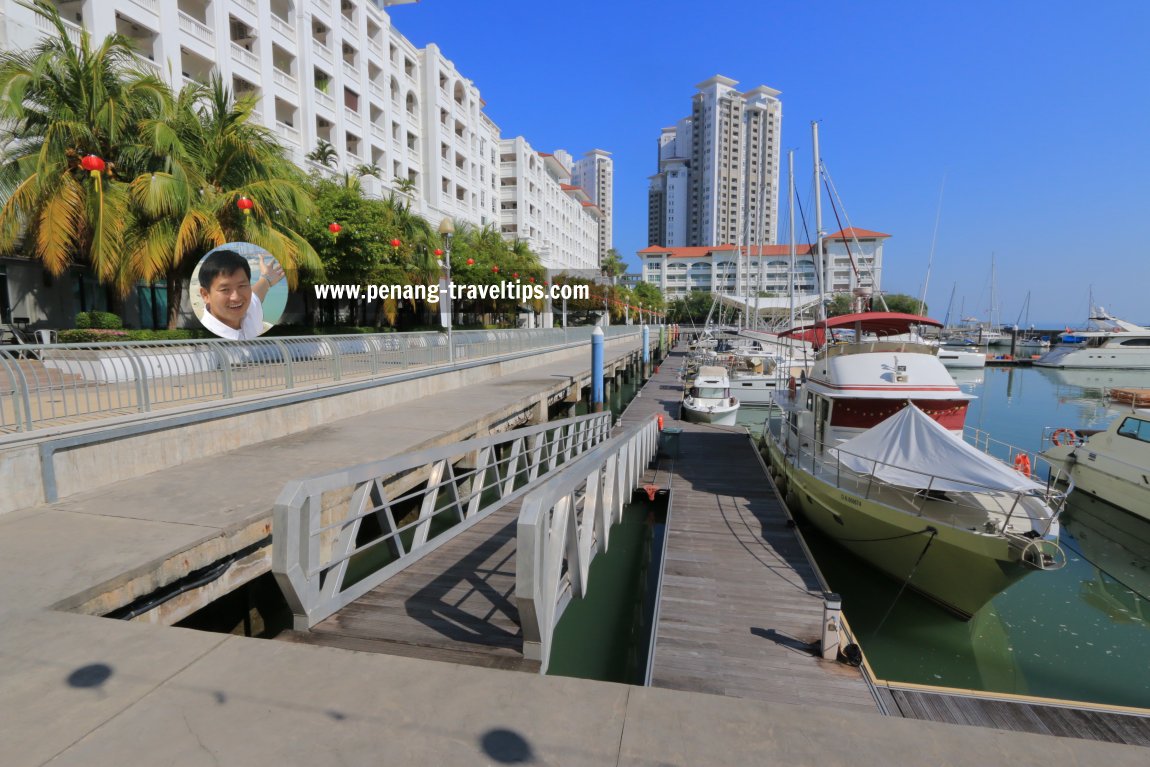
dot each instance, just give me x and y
(597, 370)
(646, 350)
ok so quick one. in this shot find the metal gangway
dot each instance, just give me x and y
(468, 552)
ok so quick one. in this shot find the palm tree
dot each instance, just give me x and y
(324, 153)
(60, 102)
(188, 206)
(404, 186)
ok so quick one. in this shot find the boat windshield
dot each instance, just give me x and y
(709, 392)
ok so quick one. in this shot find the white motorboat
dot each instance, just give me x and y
(709, 399)
(870, 448)
(960, 358)
(1113, 464)
(1108, 342)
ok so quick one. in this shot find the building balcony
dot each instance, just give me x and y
(379, 130)
(351, 116)
(350, 70)
(196, 30)
(245, 57)
(376, 47)
(148, 65)
(322, 52)
(349, 27)
(377, 93)
(324, 100)
(287, 132)
(151, 6)
(322, 6)
(413, 155)
(248, 5)
(286, 80)
(283, 27)
(72, 30)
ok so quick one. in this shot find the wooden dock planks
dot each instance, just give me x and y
(456, 604)
(741, 607)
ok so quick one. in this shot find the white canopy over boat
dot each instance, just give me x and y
(913, 450)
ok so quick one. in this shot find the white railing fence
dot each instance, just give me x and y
(51, 384)
(564, 523)
(339, 535)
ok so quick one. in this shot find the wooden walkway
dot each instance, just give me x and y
(456, 604)
(1065, 721)
(741, 607)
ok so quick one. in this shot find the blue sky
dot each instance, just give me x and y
(1036, 113)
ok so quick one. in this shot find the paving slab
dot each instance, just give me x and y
(64, 675)
(252, 702)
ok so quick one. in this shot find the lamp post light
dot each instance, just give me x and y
(446, 232)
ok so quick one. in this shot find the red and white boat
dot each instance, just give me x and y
(870, 446)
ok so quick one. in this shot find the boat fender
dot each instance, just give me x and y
(1022, 464)
(660, 419)
(792, 386)
(1059, 434)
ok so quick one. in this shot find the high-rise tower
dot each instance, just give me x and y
(595, 172)
(717, 181)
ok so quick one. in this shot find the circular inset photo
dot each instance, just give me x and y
(238, 290)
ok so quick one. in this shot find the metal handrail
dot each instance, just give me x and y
(51, 384)
(564, 523)
(323, 555)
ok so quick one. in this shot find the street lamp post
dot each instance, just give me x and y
(447, 231)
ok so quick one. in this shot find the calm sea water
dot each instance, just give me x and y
(1079, 633)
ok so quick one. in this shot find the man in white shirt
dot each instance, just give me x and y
(233, 305)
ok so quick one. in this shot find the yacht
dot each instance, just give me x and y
(1113, 464)
(870, 447)
(709, 399)
(1107, 342)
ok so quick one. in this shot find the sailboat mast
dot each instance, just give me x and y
(791, 207)
(818, 215)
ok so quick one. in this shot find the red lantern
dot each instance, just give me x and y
(531, 279)
(245, 205)
(470, 261)
(92, 164)
(395, 243)
(515, 275)
(495, 269)
(334, 228)
(438, 252)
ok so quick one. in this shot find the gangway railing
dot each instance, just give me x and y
(564, 523)
(338, 535)
(51, 384)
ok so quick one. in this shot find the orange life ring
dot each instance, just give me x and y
(1071, 437)
(1022, 464)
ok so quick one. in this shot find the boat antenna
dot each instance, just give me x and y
(930, 259)
(833, 194)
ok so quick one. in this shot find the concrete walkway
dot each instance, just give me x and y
(83, 690)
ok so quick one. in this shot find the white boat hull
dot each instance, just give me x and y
(1133, 358)
(893, 542)
(722, 415)
(954, 358)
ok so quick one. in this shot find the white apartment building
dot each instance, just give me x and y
(540, 205)
(735, 270)
(595, 172)
(336, 71)
(717, 178)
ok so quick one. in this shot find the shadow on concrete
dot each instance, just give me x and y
(507, 747)
(91, 676)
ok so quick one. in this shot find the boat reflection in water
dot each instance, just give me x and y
(1117, 544)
